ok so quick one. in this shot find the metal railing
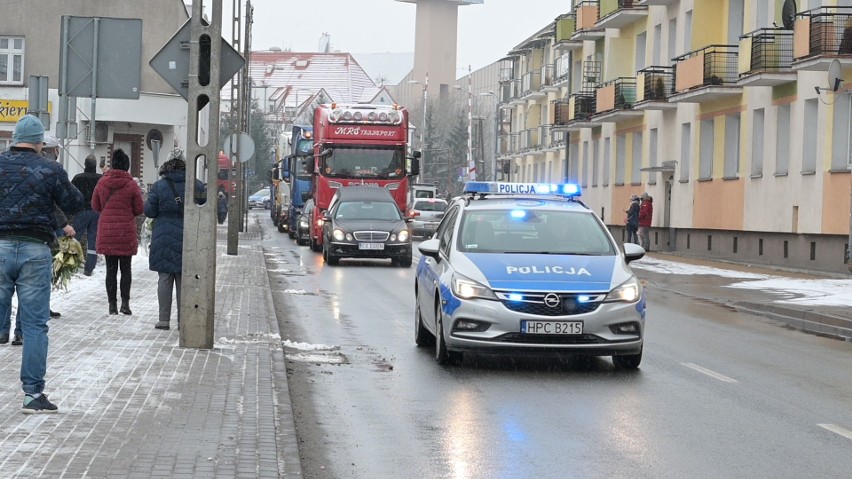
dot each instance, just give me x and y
(659, 82)
(580, 8)
(548, 77)
(561, 112)
(557, 138)
(771, 49)
(720, 63)
(584, 106)
(608, 7)
(509, 90)
(831, 30)
(509, 143)
(624, 91)
(507, 74)
(531, 82)
(565, 27)
(562, 69)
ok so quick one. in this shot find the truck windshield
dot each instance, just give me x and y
(305, 147)
(371, 162)
(303, 167)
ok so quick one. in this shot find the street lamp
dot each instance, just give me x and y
(496, 132)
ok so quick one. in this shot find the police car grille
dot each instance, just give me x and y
(568, 306)
(372, 235)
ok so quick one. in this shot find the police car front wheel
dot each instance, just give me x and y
(442, 355)
(627, 361)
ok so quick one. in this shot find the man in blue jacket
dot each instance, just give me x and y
(31, 185)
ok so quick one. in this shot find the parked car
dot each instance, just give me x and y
(303, 224)
(260, 198)
(427, 214)
(527, 268)
(365, 222)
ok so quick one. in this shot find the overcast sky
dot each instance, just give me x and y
(486, 32)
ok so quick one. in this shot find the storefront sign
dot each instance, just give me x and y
(12, 110)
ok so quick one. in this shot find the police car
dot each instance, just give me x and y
(520, 267)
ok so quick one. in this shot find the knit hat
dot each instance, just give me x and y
(120, 161)
(28, 130)
(645, 196)
(634, 197)
(174, 164)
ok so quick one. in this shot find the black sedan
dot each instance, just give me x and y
(365, 222)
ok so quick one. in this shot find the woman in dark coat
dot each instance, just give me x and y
(165, 204)
(119, 201)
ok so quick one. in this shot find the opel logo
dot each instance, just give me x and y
(551, 300)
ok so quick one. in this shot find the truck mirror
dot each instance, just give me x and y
(417, 154)
(415, 165)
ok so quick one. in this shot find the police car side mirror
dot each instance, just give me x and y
(632, 252)
(429, 248)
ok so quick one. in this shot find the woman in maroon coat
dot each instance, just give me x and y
(118, 199)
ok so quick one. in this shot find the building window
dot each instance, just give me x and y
(635, 172)
(809, 142)
(672, 41)
(606, 161)
(782, 141)
(732, 146)
(705, 150)
(11, 60)
(573, 162)
(757, 144)
(685, 150)
(620, 154)
(841, 157)
(596, 165)
(652, 155)
(641, 41)
(585, 178)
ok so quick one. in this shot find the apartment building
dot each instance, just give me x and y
(724, 111)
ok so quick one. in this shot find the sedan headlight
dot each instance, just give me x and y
(402, 236)
(303, 223)
(627, 292)
(467, 288)
(338, 235)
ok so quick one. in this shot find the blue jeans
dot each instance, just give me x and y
(25, 267)
(86, 223)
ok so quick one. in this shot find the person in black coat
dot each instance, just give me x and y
(222, 207)
(633, 220)
(165, 204)
(86, 221)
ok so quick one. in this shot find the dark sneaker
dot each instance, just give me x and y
(162, 325)
(87, 273)
(54, 314)
(4, 338)
(17, 341)
(39, 405)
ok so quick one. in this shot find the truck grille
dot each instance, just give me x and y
(371, 235)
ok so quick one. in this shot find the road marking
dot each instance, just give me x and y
(837, 430)
(712, 374)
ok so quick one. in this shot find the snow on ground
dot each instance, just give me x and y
(826, 292)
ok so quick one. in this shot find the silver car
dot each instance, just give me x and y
(427, 214)
(525, 272)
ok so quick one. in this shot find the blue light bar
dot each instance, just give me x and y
(536, 189)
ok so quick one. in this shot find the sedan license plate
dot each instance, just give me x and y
(371, 246)
(552, 327)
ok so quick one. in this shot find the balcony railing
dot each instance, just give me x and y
(657, 83)
(510, 90)
(827, 29)
(557, 138)
(711, 65)
(507, 74)
(531, 82)
(565, 27)
(583, 106)
(531, 140)
(587, 14)
(766, 49)
(617, 94)
(561, 112)
(509, 143)
(611, 6)
(547, 75)
(562, 69)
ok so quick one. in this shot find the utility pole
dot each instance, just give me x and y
(198, 288)
(245, 113)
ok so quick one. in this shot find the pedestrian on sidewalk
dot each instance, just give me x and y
(86, 221)
(165, 204)
(119, 201)
(222, 207)
(32, 185)
(632, 222)
(646, 214)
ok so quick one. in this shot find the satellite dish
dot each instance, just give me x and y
(834, 78)
(788, 14)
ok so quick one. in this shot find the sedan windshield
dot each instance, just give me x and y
(533, 231)
(367, 210)
(430, 206)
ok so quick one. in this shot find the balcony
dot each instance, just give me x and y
(509, 144)
(586, 13)
(533, 140)
(655, 2)
(561, 72)
(566, 26)
(620, 13)
(767, 58)
(706, 75)
(820, 36)
(655, 85)
(575, 113)
(614, 101)
(548, 78)
(560, 115)
(531, 85)
(557, 139)
(510, 93)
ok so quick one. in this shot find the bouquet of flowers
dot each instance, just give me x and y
(66, 261)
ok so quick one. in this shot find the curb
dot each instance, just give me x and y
(809, 321)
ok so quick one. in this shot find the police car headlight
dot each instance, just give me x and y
(338, 235)
(467, 288)
(627, 292)
(402, 236)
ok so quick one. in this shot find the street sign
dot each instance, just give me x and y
(172, 62)
(246, 146)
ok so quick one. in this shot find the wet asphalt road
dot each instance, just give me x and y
(718, 394)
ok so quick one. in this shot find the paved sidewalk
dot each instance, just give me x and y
(134, 404)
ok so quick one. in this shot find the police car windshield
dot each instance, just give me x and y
(534, 232)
